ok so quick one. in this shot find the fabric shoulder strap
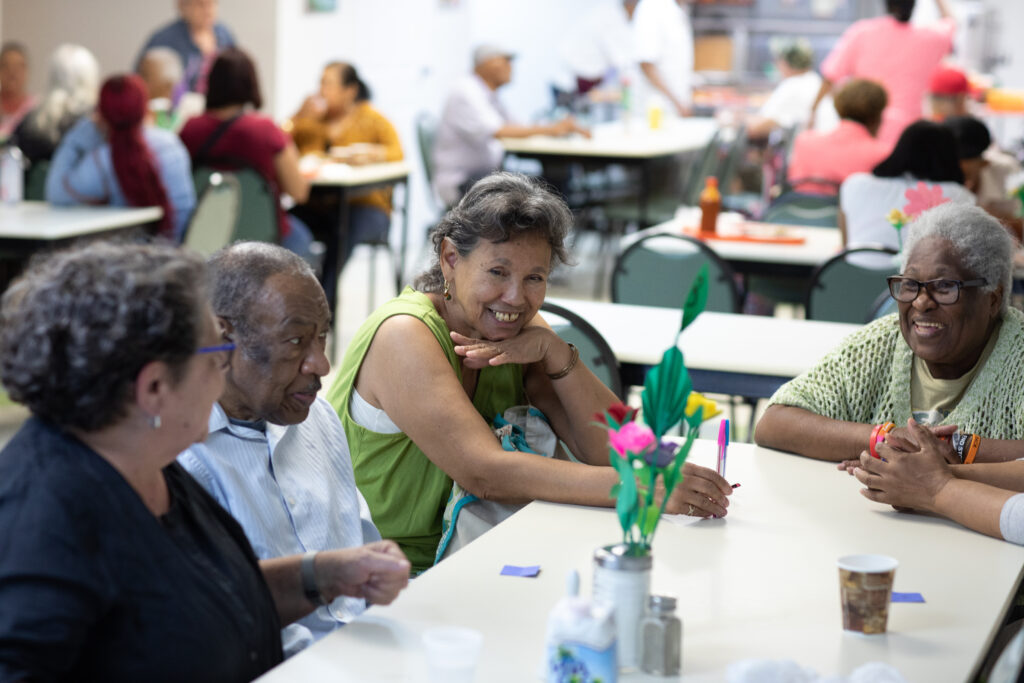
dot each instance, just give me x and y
(208, 144)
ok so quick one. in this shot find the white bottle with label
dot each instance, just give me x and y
(580, 639)
(12, 175)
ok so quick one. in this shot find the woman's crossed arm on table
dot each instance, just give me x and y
(406, 374)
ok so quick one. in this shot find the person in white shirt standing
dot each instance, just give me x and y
(467, 146)
(664, 40)
(599, 51)
(276, 456)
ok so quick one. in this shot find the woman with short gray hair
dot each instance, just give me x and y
(951, 358)
(426, 374)
(115, 564)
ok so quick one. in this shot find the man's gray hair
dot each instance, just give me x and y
(980, 241)
(237, 274)
(168, 62)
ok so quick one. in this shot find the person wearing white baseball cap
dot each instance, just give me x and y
(467, 146)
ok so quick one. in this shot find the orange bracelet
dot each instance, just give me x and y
(878, 436)
(972, 450)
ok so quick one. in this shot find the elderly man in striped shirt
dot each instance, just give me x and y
(276, 456)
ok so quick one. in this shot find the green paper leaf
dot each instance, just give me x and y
(697, 298)
(615, 490)
(666, 389)
(626, 504)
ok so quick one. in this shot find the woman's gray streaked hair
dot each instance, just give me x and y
(982, 243)
(79, 325)
(499, 208)
(72, 91)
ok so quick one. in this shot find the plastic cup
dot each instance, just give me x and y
(452, 654)
(654, 117)
(865, 588)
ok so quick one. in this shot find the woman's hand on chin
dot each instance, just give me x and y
(531, 345)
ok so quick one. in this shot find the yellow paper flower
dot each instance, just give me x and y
(698, 400)
(897, 218)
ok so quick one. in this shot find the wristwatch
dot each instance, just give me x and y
(309, 587)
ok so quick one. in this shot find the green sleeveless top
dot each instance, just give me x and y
(406, 492)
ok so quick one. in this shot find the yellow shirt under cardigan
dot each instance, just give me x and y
(365, 125)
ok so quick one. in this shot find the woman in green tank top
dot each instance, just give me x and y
(427, 373)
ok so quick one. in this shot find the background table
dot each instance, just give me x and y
(760, 583)
(762, 258)
(28, 225)
(725, 353)
(618, 143)
(348, 182)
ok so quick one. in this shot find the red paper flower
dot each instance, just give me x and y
(619, 412)
(923, 197)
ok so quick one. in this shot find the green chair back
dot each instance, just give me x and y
(213, 222)
(35, 180)
(658, 269)
(594, 350)
(844, 289)
(794, 208)
(257, 215)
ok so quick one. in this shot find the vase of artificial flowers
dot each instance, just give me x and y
(643, 460)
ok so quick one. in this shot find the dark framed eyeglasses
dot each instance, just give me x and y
(945, 292)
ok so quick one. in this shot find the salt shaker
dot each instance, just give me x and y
(661, 634)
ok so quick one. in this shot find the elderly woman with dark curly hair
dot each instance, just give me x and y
(952, 357)
(427, 372)
(115, 565)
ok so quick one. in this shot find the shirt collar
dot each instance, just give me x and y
(219, 422)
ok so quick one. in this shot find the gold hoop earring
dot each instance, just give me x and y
(447, 291)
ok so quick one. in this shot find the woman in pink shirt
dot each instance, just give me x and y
(901, 57)
(820, 162)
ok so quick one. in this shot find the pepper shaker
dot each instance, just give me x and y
(661, 634)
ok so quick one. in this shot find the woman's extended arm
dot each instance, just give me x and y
(377, 572)
(406, 374)
(788, 428)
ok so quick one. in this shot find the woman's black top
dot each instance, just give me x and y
(93, 586)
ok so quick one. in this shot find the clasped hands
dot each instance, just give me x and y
(376, 572)
(913, 469)
(532, 345)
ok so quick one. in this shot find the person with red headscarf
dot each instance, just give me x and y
(114, 158)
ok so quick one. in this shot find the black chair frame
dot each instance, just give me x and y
(815, 282)
(606, 357)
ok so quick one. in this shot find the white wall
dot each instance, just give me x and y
(115, 30)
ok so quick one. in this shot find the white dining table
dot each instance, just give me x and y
(619, 140)
(629, 143)
(34, 222)
(761, 583)
(725, 353)
(818, 245)
(348, 181)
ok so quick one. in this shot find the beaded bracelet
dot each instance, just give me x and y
(878, 436)
(568, 368)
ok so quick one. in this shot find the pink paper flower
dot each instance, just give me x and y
(923, 197)
(631, 437)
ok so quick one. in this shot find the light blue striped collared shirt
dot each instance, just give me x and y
(292, 490)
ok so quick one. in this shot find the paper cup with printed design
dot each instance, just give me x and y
(865, 588)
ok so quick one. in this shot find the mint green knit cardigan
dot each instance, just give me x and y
(867, 380)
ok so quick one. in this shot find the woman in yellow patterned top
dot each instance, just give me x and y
(341, 116)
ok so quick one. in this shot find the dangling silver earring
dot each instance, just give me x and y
(154, 422)
(447, 291)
